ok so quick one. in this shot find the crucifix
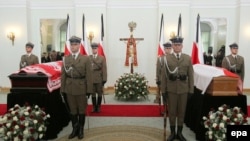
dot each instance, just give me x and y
(131, 53)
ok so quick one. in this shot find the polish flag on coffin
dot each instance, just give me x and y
(51, 69)
(203, 75)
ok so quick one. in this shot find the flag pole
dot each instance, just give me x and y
(197, 28)
(158, 87)
(102, 35)
(179, 30)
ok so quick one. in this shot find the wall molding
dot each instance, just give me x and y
(132, 4)
(215, 4)
(13, 3)
(69, 4)
(174, 3)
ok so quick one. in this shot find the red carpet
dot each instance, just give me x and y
(3, 109)
(127, 110)
(121, 110)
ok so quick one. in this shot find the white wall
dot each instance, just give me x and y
(11, 21)
(25, 17)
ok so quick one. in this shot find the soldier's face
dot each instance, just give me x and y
(94, 50)
(234, 50)
(74, 47)
(28, 49)
(177, 47)
(168, 50)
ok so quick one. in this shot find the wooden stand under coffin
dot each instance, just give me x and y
(223, 86)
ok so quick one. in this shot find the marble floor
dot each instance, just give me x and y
(92, 122)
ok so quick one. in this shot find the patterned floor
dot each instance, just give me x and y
(122, 133)
(93, 124)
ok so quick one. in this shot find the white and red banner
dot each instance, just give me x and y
(100, 45)
(84, 41)
(51, 69)
(161, 38)
(67, 44)
(197, 50)
(83, 47)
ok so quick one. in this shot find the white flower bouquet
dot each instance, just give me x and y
(216, 122)
(131, 86)
(26, 123)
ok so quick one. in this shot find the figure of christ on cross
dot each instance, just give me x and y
(131, 53)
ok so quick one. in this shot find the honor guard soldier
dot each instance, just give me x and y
(234, 62)
(180, 84)
(99, 74)
(28, 58)
(76, 83)
(159, 67)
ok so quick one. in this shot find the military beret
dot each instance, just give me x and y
(74, 39)
(29, 44)
(94, 45)
(177, 39)
(233, 45)
(167, 45)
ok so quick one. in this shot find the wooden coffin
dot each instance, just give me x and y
(223, 86)
(28, 83)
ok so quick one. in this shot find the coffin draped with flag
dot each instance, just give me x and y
(40, 85)
(215, 81)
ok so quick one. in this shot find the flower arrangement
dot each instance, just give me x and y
(131, 86)
(26, 123)
(216, 122)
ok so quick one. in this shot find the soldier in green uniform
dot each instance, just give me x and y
(179, 84)
(234, 62)
(76, 83)
(159, 66)
(28, 58)
(99, 74)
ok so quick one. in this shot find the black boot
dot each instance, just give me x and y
(173, 134)
(99, 102)
(75, 125)
(179, 134)
(81, 124)
(94, 104)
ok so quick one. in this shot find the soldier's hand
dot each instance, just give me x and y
(103, 83)
(158, 82)
(88, 95)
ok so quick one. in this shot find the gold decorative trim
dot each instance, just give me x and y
(4, 90)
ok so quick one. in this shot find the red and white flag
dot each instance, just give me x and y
(67, 43)
(197, 51)
(161, 38)
(84, 43)
(100, 45)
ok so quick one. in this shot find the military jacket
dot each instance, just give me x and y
(160, 73)
(76, 77)
(28, 60)
(234, 65)
(99, 69)
(184, 79)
